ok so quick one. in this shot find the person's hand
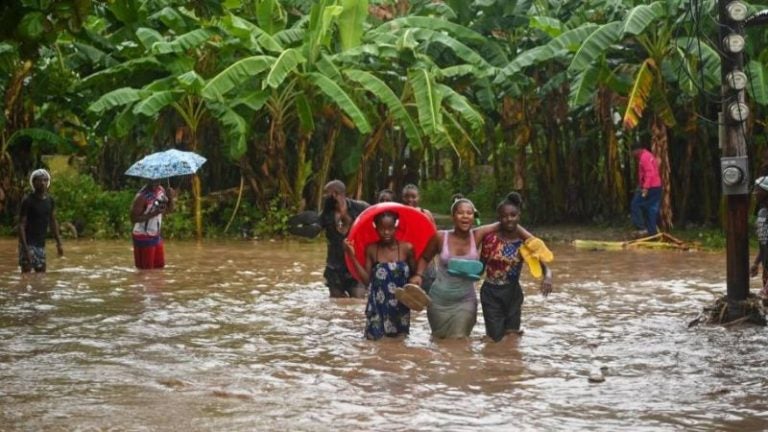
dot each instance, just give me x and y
(60, 249)
(546, 286)
(30, 257)
(416, 279)
(753, 270)
(349, 248)
(644, 192)
(341, 204)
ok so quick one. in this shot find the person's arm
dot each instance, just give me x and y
(23, 230)
(362, 271)
(56, 233)
(137, 210)
(546, 283)
(646, 168)
(483, 230)
(434, 247)
(409, 258)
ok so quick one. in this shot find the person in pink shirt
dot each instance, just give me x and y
(645, 203)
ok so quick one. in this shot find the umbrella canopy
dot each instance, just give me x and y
(167, 163)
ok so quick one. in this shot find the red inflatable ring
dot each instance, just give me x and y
(414, 227)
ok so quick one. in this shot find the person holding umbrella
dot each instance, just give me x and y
(152, 202)
(149, 206)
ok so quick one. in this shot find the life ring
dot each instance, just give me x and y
(413, 226)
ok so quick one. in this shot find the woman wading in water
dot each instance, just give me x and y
(388, 265)
(453, 311)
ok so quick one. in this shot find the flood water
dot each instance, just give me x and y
(241, 336)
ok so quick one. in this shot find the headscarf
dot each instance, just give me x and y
(38, 173)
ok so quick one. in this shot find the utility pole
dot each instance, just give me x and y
(734, 164)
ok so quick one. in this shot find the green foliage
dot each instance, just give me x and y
(94, 211)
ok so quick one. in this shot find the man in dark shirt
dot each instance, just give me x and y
(37, 212)
(336, 218)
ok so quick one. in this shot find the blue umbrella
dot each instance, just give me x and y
(167, 163)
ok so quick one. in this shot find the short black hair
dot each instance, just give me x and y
(380, 217)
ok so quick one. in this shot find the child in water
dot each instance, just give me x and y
(388, 264)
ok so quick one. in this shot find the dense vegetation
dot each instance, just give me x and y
(482, 96)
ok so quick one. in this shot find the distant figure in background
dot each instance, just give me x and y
(149, 206)
(385, 195)
(647, 199)
(411, 198)
(336, 218)
(38, 210)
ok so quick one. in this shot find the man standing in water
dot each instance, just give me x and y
(336, 218)
(37, 212)
(147, 210)
(645, 204)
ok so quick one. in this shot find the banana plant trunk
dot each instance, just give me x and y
(660, 148)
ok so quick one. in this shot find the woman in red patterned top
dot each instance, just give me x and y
(501, 295)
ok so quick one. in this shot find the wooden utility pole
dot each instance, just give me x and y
(734, 164)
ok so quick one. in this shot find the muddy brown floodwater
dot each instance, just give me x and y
(241, 336)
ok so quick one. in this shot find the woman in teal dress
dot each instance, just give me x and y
(388, 265)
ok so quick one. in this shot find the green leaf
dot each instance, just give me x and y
(304, 111)
(32, 26)
(171, 18)
(148, 37)
(182, 43)
(284, 65)
(116, 98)
(757, 85)
(462, 51)
(254, 100)
(191, 82)
(246, 30)
(342, 100)
(156, 102)
(352, 22)
(236, 75)
(429, 23)
(594, 46)
(380, 90)
(638, 19)
(326, 67)
(551, 26)
(37, 135)
(236, 130)
(459, 104)
(583, 85)
(121, 71)
(568, 41)
(270, 16)
(427, 101)
(320, 28)
(124, 122)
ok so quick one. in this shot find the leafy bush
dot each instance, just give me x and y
(94, 212)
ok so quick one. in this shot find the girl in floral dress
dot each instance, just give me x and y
(388, 264)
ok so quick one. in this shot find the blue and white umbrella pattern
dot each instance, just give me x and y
(167, 163)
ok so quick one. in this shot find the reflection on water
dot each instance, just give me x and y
(242, 336)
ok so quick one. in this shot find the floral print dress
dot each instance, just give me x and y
(384, 315)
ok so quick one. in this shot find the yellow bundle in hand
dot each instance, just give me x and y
(534, 252)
